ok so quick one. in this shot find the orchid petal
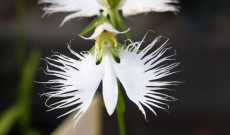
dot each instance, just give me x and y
(96, 33)
(82, 8)
(138, 72)
(133, 7)
(107, 26)
(77, 83)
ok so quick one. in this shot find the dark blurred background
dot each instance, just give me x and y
(200, 33)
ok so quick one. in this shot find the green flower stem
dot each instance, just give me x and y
(121, 122)
(112, 16)
(121, 24)
(113, 3)
(120, 109)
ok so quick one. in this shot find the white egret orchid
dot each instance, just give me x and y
(88, 8)
(138, 71)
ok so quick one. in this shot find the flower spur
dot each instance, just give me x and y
(138, 71)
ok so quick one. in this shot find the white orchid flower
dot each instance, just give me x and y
(138, 71)
(88, 8)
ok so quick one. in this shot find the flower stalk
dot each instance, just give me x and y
(120, 109)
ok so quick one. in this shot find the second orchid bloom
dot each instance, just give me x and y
(138, 71)
(88, 8)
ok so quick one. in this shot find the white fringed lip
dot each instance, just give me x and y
(138, 71)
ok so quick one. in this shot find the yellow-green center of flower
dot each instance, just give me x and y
(106, 39)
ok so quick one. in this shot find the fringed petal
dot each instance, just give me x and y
(139, 73)
(77, 81)
(82, 8)
(133, 7)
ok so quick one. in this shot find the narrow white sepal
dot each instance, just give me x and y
(107, 26)
(104, 26)
(96, 33)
